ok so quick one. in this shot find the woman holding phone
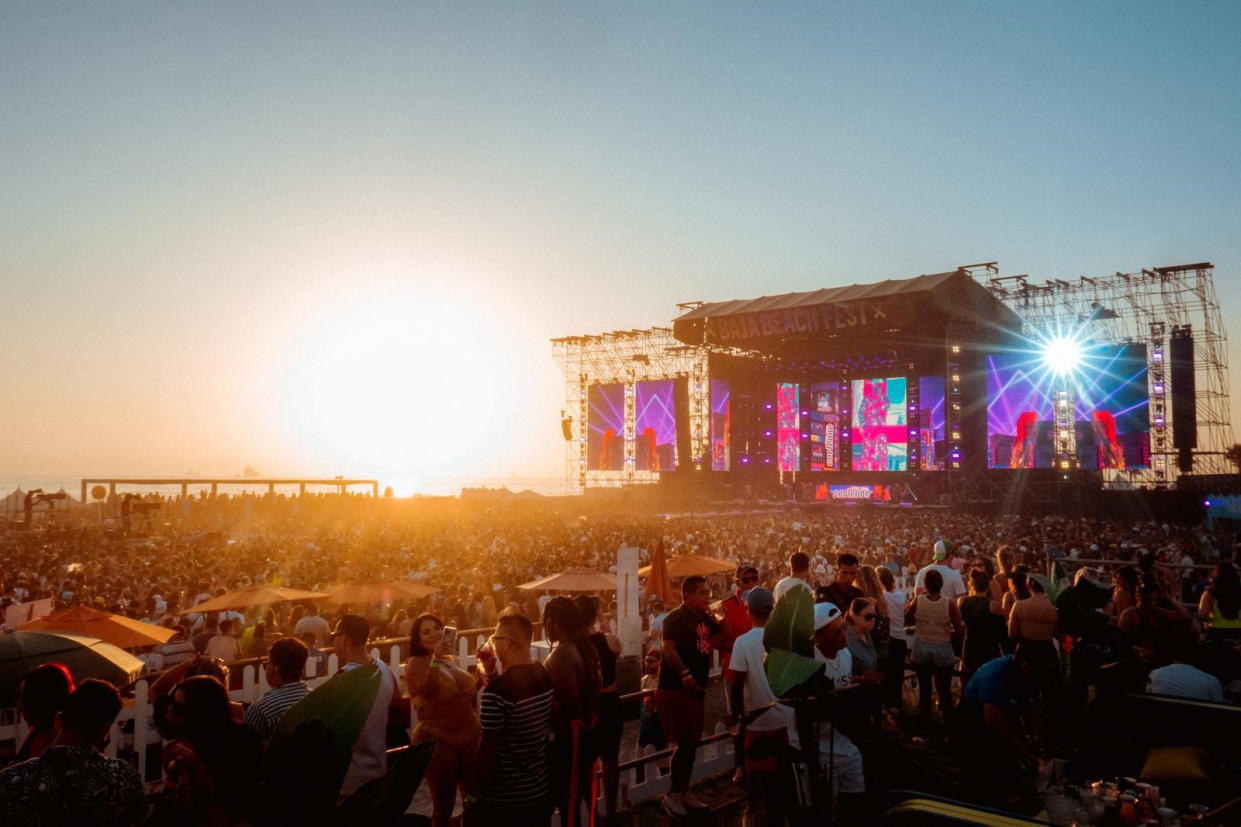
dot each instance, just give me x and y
(443, 696)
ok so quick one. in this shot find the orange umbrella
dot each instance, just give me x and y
(657, 580)
(112, 628)
(378, 592)
(574, 580)
(259, 594)
(685, 565)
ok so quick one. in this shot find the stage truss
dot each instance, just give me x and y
(1141, 307)
(627, 357)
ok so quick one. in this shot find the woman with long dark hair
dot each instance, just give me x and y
(608, 730)
(443, 696)
(574, 669)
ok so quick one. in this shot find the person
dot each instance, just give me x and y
(573, 666)
(1220, 605)
(511, 772)
(211, 762)
(1034, 619)
(765, 736)
(898, 640)
(984, 629)
(953, 586)
(442, 694)
(314, 623)
(1181, 678)
(610, 722)
(369, 758)
(997, 588)
(935, 619)
(798, 576)
(72, 781)
(284, 667)
(1150, 626)
(224, 646)
(690, 632)
(210, 628)
(842, 591)
(737, 619)
(859, 623)
(1018, 588)
(650, 732)
(838, 755)
(41, 696)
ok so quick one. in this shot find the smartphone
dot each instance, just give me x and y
(450, 637)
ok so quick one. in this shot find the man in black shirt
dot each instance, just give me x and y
(690, 632)
(842, 592)
(511, 769)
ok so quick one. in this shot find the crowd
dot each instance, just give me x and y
(996, 615)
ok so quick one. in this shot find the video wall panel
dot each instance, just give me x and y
(605, 436)
(878, 427)
(788, 427)
(824, 426)
(721, 425)
(931, 422)
(655, 426)
(1111, 409)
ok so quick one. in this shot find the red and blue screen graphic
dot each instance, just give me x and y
(878, 429)
(605, 435)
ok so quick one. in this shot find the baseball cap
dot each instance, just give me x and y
(824, 613)
(759, 600)
(941, 550)
(354, 627)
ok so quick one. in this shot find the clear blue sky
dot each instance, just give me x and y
(218, 220)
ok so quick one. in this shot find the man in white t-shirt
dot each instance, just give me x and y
(836, 751)
(954, 586)
(766, 734)
(312, 621)
(799, 575)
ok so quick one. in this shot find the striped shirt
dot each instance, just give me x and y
(518, 705)
(265, 713)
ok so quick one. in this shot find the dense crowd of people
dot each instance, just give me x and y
(1000, 618)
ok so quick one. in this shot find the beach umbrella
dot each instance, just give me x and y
(686, 565)
(259, 594)
(378, 592)
(86, 657)
(658, 582)
(112, 628)
(574, 580)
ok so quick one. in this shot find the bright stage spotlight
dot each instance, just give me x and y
(1063, 355)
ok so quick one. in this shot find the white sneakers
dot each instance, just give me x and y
(679, 804)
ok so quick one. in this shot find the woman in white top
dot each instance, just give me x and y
(935, 619)
(898, 639)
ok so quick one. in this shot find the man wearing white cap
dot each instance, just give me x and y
(954, 586)
(836, 751)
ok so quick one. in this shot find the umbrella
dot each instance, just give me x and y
(686, 565)
(259, 594)
(378, 592)
(574, 580)
(113, 628)
(86, 657)
(658, 582)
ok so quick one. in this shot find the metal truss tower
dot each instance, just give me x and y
(1141, 307)
(627, 357)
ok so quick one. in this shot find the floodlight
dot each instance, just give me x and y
(1062, 355)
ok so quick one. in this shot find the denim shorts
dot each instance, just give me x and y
(938, 655)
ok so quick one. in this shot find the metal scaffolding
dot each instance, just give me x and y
(1140, 307)
(628, 357)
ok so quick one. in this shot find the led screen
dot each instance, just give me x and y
(605, 438)
(878, 426)
(853, 493)
(788, 427)
(931, 422)
(655, 424)
(824, 427)
(721, 426)
(1110, 408)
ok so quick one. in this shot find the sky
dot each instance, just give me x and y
(323, 238)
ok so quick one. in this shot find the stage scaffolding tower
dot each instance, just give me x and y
(627, 357)
(1141, 307)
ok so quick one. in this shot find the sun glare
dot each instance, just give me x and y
(1063, 355)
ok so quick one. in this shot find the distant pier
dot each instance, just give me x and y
(340, 483)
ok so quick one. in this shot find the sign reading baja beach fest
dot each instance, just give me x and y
(825, 317)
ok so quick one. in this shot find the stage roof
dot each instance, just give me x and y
(914, 311)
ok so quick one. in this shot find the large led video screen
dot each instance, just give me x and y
(824, 426)
(605, 435)
(788, 427)
(655, 425)
(1110, 410)
(878, 431)
(931, 422)
(721, 426)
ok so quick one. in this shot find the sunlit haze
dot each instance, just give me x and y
(329, 239)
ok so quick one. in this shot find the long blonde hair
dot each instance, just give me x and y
(1004, 559)
(868, 582)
